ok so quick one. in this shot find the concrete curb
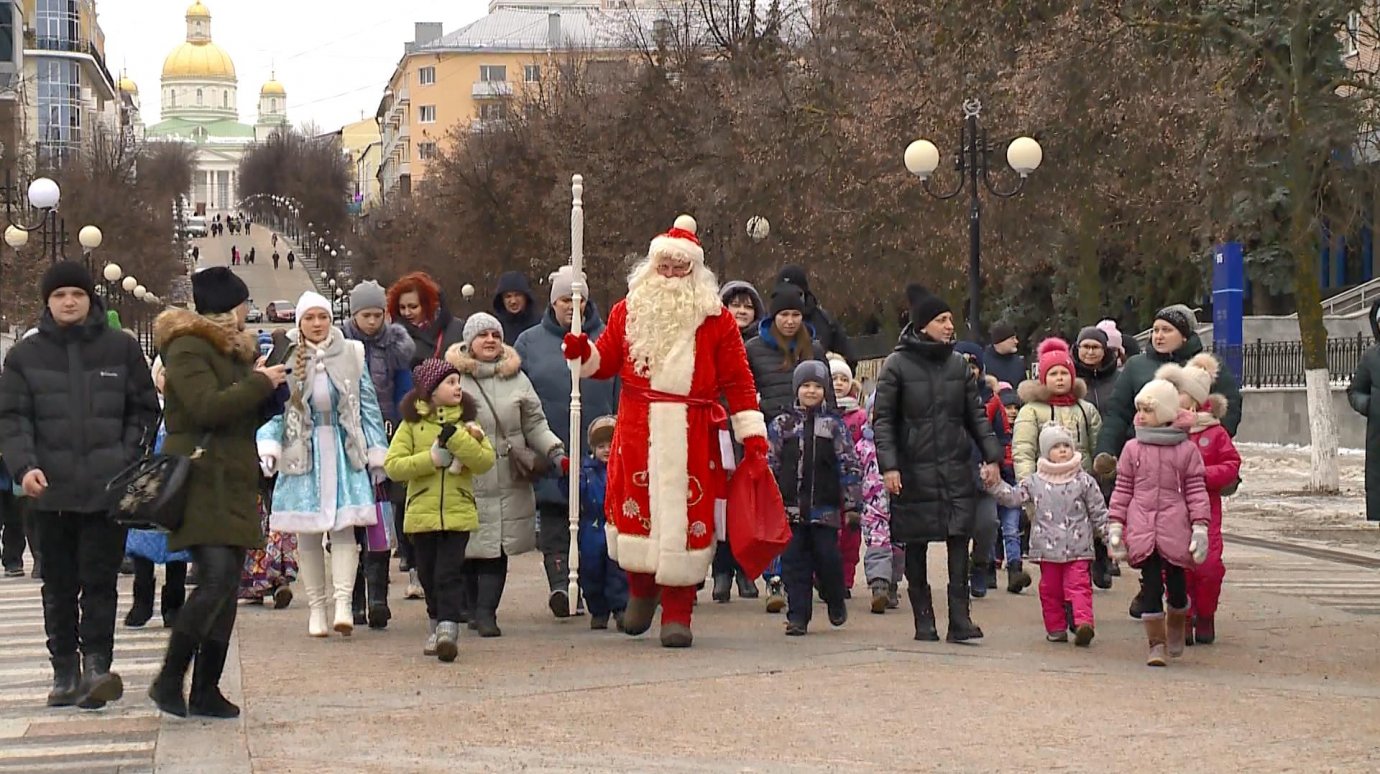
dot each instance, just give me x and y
(199, 746)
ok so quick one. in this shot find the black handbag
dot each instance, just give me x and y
(152, 492)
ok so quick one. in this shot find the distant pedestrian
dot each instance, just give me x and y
(274, 239)
(251, 256)
(196, 253)
(291, 258)
(275, 260)
(234, 256)
(1001, 357)
(1360, 393)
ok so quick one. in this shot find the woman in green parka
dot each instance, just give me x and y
(216, 388)
(1361, 394)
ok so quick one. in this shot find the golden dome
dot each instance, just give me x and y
(198, 11)
(198, 60)
(273, 88)
(127, 86)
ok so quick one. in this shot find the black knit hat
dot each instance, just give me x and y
(794, 274)
(66, 274)
(1179, 316)
(924, 305)
(1002, 331)
(218, 290)
(786, 296)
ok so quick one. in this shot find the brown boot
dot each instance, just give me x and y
(1176, 626)
(1155, 634)
(637, 619)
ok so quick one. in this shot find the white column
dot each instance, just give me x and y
(210, 190)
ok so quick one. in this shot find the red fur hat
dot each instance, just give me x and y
(421, 283)
(1053, 352)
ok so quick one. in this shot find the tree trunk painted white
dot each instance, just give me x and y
(1322, 430)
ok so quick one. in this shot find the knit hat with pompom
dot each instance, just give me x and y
(1194, 378)
(1161, 398)
(1053, 351)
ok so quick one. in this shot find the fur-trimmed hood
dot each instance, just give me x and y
(175, 323)
(1216, 406)
(1032, 391)
(507, 366)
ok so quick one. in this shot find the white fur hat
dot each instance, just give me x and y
(837, 365)
(680, 241)
(312, 300)
(1162, 398)
(1193, 379)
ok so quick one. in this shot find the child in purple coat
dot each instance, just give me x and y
(1160, 513)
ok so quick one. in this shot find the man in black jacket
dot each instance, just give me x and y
(76, 403)
(513, 305)
(828, 330)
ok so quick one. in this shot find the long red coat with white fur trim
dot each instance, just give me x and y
(665, 470)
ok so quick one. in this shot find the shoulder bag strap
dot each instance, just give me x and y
(498, 424)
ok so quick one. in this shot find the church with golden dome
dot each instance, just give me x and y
(199, 101)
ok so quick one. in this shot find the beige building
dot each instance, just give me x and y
(470, 76)
(360, 141)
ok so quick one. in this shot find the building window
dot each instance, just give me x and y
(198, 98)
(273, 105)
(427, 114)
(225, 99)
(1351, 45)
(426, 151)
(426, 76)
(7, 33)
(531, 73)
(58, 24)
(59, 106)
(491, 111)
(172, 98)
(493, 73)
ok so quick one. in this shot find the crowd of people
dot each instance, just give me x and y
(321, 452)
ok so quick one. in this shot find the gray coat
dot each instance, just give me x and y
(1066, 514)
(507, 507)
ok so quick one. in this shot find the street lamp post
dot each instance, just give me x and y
(971, 162)
(44, 195)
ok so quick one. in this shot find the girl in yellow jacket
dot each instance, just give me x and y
(439, 458)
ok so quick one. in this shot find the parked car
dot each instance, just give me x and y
(195, 226)
(255, 314)
(281, 312)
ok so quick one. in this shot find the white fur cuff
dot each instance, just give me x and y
(591, 365)
(270, 449)
(747, 424)
(376, 456)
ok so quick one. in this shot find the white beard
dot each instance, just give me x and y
(664, 311)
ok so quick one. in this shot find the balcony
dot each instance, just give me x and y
(84, 50)
(404, 97)
(491, 90)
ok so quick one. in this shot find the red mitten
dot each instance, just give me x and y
(755, 446)
(565, 465)
(576, 347)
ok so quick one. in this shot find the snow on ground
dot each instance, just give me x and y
(1273, 500)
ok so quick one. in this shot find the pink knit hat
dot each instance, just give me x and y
(1113, 335)
(1053, 352)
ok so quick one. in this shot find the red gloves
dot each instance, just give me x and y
(576, 347)
(565, 465)
(755, 446)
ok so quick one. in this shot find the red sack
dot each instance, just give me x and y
(757, 527)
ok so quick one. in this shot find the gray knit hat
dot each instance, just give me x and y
(1053, 434)
(368, 295)
(478, 323)
(1181, 317)
(811, 371)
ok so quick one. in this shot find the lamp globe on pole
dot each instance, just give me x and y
(44, 193)
(90, 238)
(16, 237)
(758, 228)
(467, 291)
(1024, 155)
(112, 273)
(922, 158)
(129, 284)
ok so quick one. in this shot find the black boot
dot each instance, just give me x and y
(66, 681)
(142, 609)
(1138, 603)
(747, 587)
(376, 577)
(206, 699)
(358, 609)
(923, 608)
(166, 689)
(171, 603)
(486, 605)
(99, 686)
(558, 579)
(723, 586)
(1101, 566)
(961, 626)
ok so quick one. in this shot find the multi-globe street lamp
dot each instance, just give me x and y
(1023, 154)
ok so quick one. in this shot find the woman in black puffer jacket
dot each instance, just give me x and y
(926, 418)
(783, 340)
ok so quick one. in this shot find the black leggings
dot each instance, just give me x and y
(209, 612)
(917, 563)
(1158, 575)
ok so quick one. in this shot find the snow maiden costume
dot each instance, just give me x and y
(328, 446)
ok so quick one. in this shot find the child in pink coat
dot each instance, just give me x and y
(1160, 513)
(1223, 466)
(881, 573)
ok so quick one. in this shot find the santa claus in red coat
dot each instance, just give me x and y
(678, 350)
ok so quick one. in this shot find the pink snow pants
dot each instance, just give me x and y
(1070, 581)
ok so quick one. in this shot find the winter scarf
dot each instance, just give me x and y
(1169, 435)
(1059, 472)
(343, 365)
(386, 352)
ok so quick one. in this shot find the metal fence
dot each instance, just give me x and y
(1280, 363)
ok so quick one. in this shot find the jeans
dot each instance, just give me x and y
(1157, 576)
(812, 553)
(12, 537)
(1071, 581)
(1011, 535)
(81, 564)
(209, 612)
(441, 569)
(603, 583)
(984, 530)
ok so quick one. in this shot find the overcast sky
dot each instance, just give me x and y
(334, 57)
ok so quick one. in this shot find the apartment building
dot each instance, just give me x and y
(68, 92)
(470, 76)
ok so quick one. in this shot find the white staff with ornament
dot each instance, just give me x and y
(577, 295)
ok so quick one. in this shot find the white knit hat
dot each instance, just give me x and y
(478, 323)
(1161, 398)
(837, 365)
(1193, 379)
(312, 300)
(680, 241)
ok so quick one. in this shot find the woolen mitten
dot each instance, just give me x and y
(441, 457)
(1198, 544)
(1115, 545)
